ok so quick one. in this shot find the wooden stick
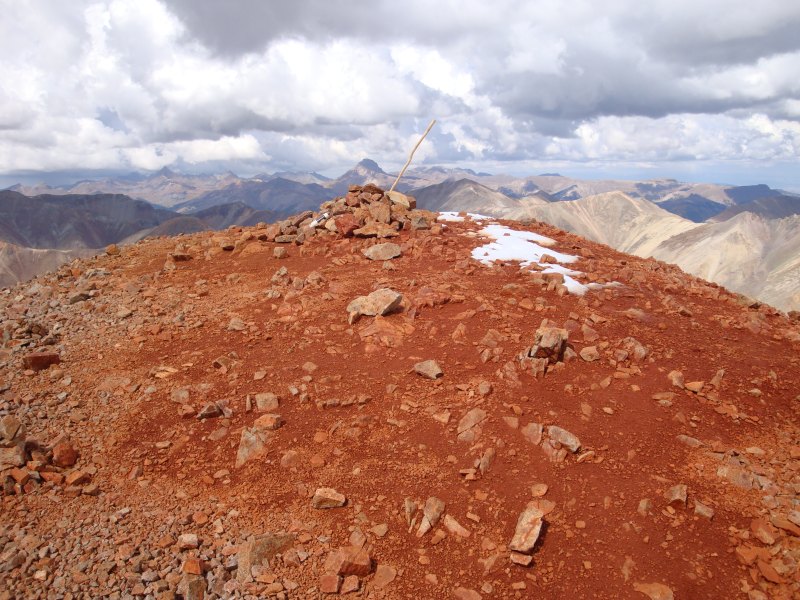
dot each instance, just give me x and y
(410, 156)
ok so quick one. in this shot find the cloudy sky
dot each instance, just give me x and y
(691, 89)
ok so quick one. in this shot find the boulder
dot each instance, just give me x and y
(327, 498)
(380, 302)
(429, 369)
(529, 526)
(564, 437)
(385, 251)
(252, 445)
(431, 514)
(260, 549)
(39, 361)
(549, 343)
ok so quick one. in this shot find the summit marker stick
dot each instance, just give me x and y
(410, 156)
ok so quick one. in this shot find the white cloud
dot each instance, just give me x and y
(114, 84)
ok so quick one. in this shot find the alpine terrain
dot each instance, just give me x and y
(376, 400)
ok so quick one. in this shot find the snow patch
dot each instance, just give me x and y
(457, 218)
(524, 247)
(527, 248)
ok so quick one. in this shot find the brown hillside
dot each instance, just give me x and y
(114, 487)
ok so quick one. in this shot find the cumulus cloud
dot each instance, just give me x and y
(251, 85)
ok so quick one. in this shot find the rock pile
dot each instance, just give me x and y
(365, 211)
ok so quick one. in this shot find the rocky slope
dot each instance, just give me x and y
(628, 224)
(294, 412)
(18, 263)
(746, 253)
(467, 195)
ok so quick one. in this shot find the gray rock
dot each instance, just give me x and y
(702, 510)
(236, 324)
(533, 433)
(11, 429)
(258, 550)
(737, 476)
(210, 411)
(429, 369)
(564, 437)
(327, 498)
(188, 541)
(192, 587)
(11, 457)
(469, 426)
(267, 402)
(380, 302)
(549, 343)
(689, 441)
(431, 513)
(252, 445)
(676, 495)
(386, 251)
(529, 526)
(635, 349)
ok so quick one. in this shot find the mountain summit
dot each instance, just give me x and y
(372, 399)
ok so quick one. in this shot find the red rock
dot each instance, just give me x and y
(349, 560)
(768, 572)
(346, 224)
(78, 477)
(350, 584)
(384, 575)
(73, 491)
(466, 594)
(330, 583)
(747, 555)
(21, 476)
(38, 361)
(194, 566)
(268, 422)
(786, 525)
(763, 531)
(56, 478)
(165, 541)
(64, 455)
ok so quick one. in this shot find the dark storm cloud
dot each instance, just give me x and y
(662, 45)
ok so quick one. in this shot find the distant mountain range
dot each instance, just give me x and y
(750, 252)
(715, 231)
(285, 192)
(40, 233)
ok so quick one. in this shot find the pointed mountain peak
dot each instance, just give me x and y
(370, 165)
(165, 172)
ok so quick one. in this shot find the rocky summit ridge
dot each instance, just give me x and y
(372, 400)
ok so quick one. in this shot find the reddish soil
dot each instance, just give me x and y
(386, 439)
